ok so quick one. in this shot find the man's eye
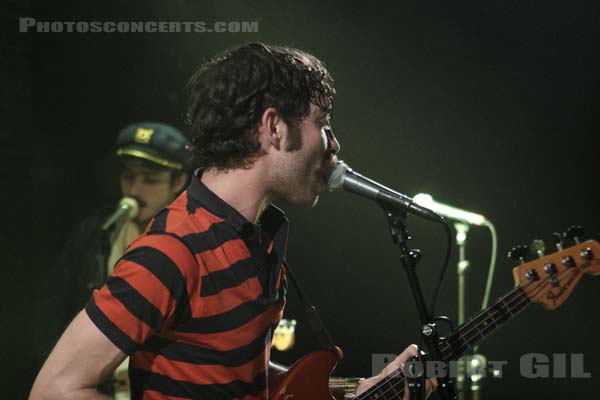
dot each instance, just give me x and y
(151, 181)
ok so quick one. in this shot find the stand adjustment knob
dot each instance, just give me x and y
(416, 255)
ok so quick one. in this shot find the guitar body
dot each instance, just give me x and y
(307, 378)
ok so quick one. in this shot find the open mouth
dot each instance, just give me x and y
(324, 174)
(141, 203)
(327, 169)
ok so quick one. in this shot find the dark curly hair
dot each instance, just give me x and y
(228, 95)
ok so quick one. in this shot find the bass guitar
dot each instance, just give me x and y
(548, 281)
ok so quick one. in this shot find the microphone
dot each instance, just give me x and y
(450, 212)
(127, 209)
(343, 177)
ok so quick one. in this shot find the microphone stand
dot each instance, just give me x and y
(469, 377)
(429, 332)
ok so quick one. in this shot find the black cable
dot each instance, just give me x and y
(435, 297)
(436, 291)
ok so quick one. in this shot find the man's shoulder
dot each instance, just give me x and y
(192, 225)
(181, 218)
(164, 242)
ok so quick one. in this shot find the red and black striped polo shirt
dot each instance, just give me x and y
(195, 300)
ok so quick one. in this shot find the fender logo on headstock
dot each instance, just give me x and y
(549, 280)
(562, 289)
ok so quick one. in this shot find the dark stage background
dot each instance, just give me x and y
(490, 106)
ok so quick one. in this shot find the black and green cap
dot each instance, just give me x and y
(155, 142)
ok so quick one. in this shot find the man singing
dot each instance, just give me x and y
(194, 301)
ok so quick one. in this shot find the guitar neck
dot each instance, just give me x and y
(459, 342)
(482, 324)
(563, 270)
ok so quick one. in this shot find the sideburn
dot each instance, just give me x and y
(294, 138)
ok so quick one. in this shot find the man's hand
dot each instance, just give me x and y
(395, 365)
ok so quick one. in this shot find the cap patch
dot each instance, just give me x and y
(143, 135)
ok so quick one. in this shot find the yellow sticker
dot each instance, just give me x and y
(143, 135)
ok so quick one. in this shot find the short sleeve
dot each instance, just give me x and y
(149, 291)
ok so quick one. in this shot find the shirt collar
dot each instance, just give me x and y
(205, 198)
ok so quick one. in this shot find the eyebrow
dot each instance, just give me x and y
(143, 172)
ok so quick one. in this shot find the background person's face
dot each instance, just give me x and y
(152, 189)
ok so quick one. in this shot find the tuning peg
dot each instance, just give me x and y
(586, 254)
(538, 248)
(518, 253)
(574, 232)
(568, 261)
(558, 240)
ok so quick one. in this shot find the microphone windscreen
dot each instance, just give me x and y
(336, 178)
(131, 204)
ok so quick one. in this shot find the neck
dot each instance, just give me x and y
(140, 225)
(243, 189)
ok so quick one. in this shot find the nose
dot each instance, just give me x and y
(333, 146)
(132, 188)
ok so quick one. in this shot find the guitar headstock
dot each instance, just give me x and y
(549, 280)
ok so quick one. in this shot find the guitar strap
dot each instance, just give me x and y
(314, 321)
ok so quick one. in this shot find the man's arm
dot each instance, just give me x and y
(82, 359)
(350, 388)
(397, 364)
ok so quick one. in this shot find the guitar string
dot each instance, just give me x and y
(524, 294)
(393, 385)
(391, 380)
(521, 296)
(474, 328)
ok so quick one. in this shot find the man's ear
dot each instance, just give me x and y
(271, 129)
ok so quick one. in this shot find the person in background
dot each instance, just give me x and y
(154, 161)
